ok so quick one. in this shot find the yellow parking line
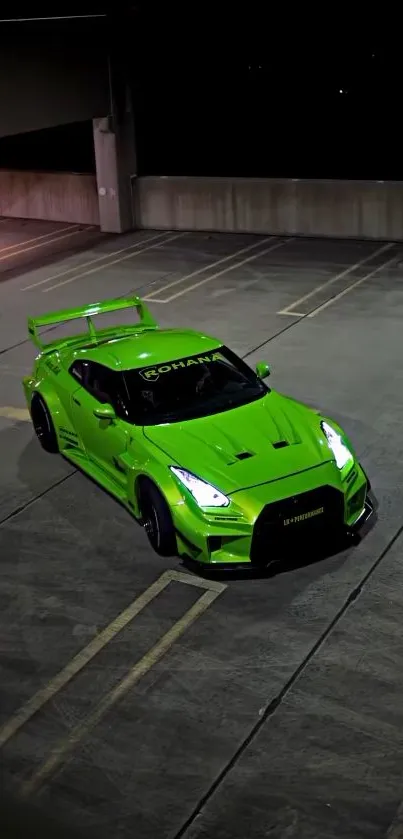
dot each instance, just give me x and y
(157, 244)
(17, 245)
(19, 414)
(216, 275)
(98, 259)
(64, 749)
(48, 242)
(290, 310)
(204, 268)
(212, 590)
(80, 660)
(353, 286)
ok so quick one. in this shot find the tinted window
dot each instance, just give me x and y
(99, 381)
(77, 370)
(105, 385)
(95, 378)
(191, 387)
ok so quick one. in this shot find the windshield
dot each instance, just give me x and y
(191, 387)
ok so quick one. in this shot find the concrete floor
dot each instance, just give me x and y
(279, 712)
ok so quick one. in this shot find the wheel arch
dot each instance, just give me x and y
(45, 390)
(166, 531)
(162, 483)
(140, 483)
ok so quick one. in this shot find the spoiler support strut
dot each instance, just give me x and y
(146, 320)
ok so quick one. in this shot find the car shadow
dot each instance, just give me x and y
(300, 556)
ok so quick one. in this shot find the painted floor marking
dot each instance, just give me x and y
(223, 271)
(71, 233)
(352, 286)
(212, 589)
(147, 247)
(38, 238)
(12, 413)
(95, 261)
(204, 268)
(290, 310)
(219, 292)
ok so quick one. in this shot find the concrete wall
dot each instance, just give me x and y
(357, 209)
(46, 195)
(52, 74)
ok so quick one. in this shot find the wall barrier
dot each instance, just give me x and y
(55, 196)
(335, 209)
(340, 209)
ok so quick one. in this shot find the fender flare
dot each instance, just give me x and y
(174, 491)
(62, 424)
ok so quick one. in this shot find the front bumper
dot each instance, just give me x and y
(298, 512)
(358, 528)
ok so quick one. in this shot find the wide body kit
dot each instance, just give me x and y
(234, 486)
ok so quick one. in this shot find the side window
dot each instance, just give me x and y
(105, 385)
(77, 370)
(95, 378)
(99, 382)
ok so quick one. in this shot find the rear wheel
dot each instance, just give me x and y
(157, 520)
(43, 425)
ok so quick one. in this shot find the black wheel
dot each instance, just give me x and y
(43, 425)
(157, 520)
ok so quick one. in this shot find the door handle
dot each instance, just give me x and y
(76, 401)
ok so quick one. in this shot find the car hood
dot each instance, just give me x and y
(266, 440)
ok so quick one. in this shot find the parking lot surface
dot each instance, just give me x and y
(273, 706)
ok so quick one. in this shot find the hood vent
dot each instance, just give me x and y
(243, 455)
(281, 444)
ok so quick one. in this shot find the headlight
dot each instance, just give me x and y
(342, 454)
(204, 494)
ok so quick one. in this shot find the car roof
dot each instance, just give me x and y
(146, 349)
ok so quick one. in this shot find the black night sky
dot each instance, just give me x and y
(246, 93)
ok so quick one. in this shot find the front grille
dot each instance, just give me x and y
(307, 517)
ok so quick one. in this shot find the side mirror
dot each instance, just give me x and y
(263, 369)
(105, 412)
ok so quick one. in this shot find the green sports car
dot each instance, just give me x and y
(217, 466)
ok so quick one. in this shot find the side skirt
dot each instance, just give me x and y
(97, 475)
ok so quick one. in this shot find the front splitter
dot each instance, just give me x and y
(366, 520)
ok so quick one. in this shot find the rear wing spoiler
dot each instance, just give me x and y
(88, 312)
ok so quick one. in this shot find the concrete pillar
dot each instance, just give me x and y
(115, 156)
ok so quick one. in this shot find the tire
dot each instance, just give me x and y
(157, 520)
(43, 425)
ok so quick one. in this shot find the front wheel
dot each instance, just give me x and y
(157, 520)
(43, 425)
